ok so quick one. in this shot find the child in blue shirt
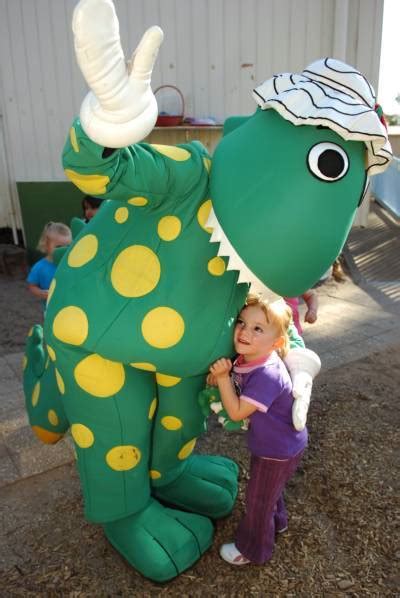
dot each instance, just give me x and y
(54, 234)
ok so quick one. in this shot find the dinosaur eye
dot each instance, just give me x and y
(328, 161)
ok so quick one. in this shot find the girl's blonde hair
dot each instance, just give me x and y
(51, 229)
(279, 314)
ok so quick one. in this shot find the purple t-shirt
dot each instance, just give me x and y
(268, 386)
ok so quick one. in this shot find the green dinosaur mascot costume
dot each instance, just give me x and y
(146, 297)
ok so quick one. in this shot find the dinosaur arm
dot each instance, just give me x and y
(112, 173)
(140, 174)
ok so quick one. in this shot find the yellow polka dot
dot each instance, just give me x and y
(144, 366)
(207, 164)
(203, 214)
(163, 327)
(136, 271)
(154, 474)
(122, 458)
(30, 331)
(171, 151)
(35, 394)
(153, 408)
(165, 380)
(73, 139)
(51, 290)
(82, 435)
(169, 228)
(92, 184)
(216, 266)
(83, 252)
(138, 201)
(60, 382)
(51, 353)
(171, 423)
(71, 325)
(121, 215)
(24, 362)
(99, 377)
(47, 363)
(46, 436)
(187, 449)
(52, 417)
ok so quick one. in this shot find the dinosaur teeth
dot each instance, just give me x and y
(215, 236)
(231, 264)
(235, 262)
(255, 288)
(243, 277)
(212, 221)
(225, 248)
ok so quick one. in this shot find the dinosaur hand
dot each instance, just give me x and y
(303, 365)
(302, 387)
(121, 108)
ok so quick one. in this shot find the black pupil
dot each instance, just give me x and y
(331, 163)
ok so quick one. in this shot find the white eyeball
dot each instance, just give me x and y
(328, 161)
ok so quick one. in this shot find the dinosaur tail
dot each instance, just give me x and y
(43, 389)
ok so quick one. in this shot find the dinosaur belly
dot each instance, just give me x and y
(163, 305)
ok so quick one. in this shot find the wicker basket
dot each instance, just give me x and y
(171, 120)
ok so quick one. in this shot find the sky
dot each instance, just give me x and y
(389, 77)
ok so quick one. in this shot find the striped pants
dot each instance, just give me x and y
(265, 508)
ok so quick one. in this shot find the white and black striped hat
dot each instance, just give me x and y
(335, 95)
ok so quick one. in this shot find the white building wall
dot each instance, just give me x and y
(215, 51)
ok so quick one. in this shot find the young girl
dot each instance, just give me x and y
(54, 234)
(260, 389)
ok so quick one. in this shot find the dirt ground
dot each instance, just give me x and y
(343, 503)
(18, 311)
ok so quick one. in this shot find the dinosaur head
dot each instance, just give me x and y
(286, 183)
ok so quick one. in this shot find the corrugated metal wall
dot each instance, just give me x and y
(215, 51)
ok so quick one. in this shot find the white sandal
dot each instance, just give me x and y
(231, 555)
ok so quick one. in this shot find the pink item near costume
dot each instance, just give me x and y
(293, 302)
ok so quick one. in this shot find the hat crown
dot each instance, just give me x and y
(343, 78)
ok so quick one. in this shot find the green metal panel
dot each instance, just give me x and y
(42, 202)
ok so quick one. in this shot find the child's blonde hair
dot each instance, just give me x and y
(277, 313)
(53, 229)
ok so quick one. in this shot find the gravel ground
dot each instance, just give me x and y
(19, 309)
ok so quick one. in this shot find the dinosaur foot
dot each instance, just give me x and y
(160, 543)
(207, 486)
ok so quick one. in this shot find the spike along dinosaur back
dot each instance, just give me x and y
(147, 295)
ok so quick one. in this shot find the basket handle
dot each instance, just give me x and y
(178, 92)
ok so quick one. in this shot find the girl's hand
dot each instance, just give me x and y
(211, 380)
(221, 368)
